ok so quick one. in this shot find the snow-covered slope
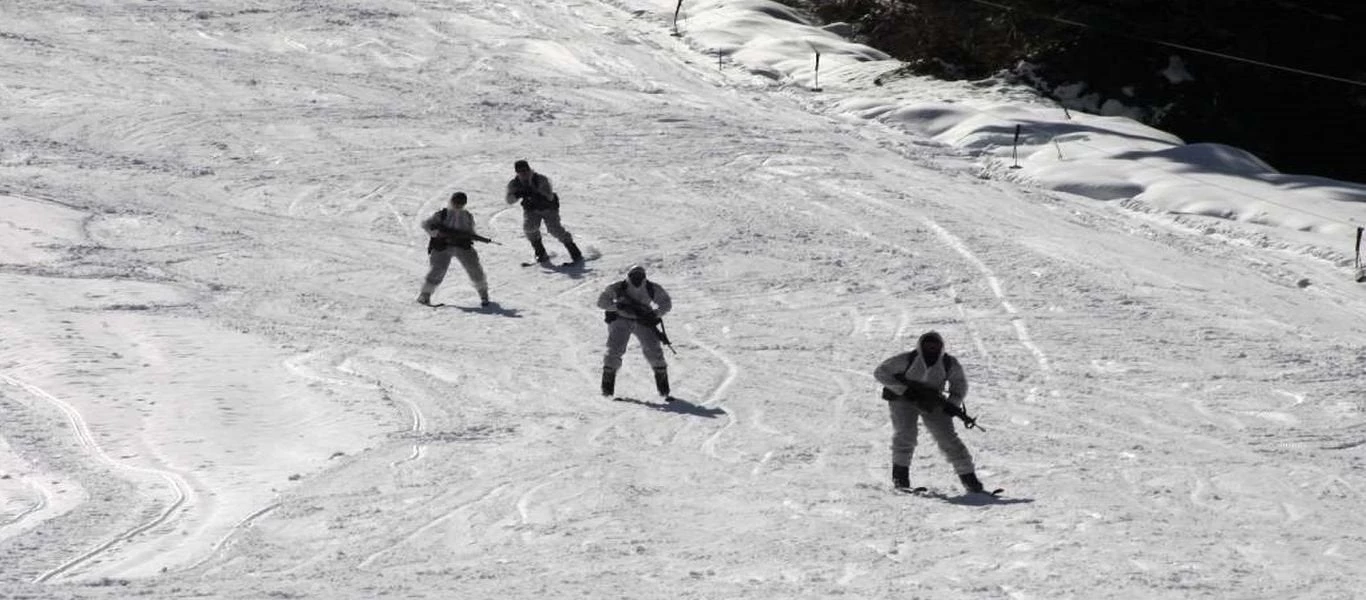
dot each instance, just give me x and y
(214, 381)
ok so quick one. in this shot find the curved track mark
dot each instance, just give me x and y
(419, 420)
(294, 364)
(524, 502)
(177, 484)
(365, 564)
(237, 528)
(1017, 321)
(732, 373)
(41, 504)
(977, 341)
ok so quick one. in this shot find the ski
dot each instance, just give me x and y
(666, 399)
(554, 266)
(925, 492)
(544, 262)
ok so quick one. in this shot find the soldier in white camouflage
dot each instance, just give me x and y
(540, 204)
(634, 306)
(914, 383)
(452, 235)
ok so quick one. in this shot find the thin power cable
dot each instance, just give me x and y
(1222, 55)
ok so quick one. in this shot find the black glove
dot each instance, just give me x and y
(609, 316)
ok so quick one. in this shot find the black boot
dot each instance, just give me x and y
(662, 382)
(539, 248)
(901, 477)
(970, 482)
(574, 254)
(609, 381)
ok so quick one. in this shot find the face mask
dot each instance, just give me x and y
(636, 278)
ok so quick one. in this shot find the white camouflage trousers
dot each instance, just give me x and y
(619, 333)
(905, 415)
(531, 225)
(441, 261)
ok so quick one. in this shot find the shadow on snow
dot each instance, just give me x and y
(492, 309)
(976, 499)
(679, 406)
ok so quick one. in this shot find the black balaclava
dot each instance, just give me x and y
(931, 347)
(636, 275)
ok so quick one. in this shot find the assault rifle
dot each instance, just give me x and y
(929, 399)
(663, 336)
(456, 235)
(646, 316)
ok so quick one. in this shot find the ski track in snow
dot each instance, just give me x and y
(524, 501)
(716, 395)
(285, 190)
(838, 408)
(416, 418)
(417, 428)
(995, 284)
(296, 365)
(458, 511)
(236, 529)
(182, 494)
(42, 495)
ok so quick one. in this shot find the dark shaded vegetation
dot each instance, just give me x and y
(1297, 123)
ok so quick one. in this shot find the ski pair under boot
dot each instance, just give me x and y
(575, 255)
(901, 480)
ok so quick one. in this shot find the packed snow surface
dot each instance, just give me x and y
(214, 381)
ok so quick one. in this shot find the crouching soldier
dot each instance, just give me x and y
(634, 307)
(914, 383)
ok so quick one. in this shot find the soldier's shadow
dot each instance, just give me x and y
(679, 406)
(977, 499)
(493, 309)
(573, 271)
